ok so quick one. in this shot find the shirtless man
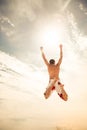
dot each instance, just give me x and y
(54, 80)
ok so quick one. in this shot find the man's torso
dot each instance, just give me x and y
(53, 71)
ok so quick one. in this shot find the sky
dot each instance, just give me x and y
(25, 26)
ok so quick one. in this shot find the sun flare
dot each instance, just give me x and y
(52, 35)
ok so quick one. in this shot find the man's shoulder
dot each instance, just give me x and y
(57, 64)
(52, 66)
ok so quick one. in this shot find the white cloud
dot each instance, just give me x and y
(22, 87)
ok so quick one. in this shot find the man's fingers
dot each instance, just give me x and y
(41, 48)
(60, 45)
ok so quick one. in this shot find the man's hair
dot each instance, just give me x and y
(52, 61)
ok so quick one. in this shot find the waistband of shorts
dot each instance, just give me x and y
(52, 79)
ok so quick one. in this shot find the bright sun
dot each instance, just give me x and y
(51, 35)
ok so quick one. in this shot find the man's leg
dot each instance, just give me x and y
(50, 88)
(60, 90)
(48, 92)
(63, 95)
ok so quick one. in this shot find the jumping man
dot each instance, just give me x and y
(54, 80)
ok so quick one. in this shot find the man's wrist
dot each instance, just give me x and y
(42, 51)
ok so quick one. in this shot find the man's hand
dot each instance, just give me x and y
(60, 45)
(41, 48)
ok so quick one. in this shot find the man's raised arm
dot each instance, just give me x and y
(43, 55)
(61, 55)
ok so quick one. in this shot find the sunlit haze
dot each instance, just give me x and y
(51, 34)
(25, 26)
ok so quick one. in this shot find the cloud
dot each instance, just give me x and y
(23, 86)
(78, 8)
(24, 21)
(75, 38)
(6, 26)
(27, 8)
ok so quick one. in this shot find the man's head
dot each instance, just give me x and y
(52, 61)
